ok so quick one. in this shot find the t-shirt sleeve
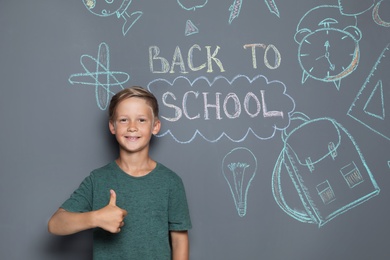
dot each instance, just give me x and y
(179, 216)
(81, 198)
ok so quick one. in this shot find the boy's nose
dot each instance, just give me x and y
(131, 128)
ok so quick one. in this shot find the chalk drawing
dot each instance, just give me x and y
(375, 13)
(190, 28)
(352, 8)
(272, 7)
(235, 9)
(212, 110)
(326, 168)
(370, 106)
(97, 73)
(329, 48)
(191, 5)
(239, 168)
(118, 8)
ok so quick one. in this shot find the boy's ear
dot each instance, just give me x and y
(112, 127)
(157, 126)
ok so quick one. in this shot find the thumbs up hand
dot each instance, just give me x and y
(111, 217)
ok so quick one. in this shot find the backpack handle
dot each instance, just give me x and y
(295, 116)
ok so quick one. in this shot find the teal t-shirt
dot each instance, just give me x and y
(155, 203)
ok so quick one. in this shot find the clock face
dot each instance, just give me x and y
(328, 54)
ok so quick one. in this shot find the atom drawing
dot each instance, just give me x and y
(102, 78)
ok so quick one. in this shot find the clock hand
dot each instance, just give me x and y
(327, 45)
(331, 66)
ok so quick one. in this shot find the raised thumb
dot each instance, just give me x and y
(112, 198)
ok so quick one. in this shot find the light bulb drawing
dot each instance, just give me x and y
(239, 168)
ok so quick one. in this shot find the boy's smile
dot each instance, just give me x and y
(132, 138)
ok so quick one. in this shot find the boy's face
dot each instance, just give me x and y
(134, 124)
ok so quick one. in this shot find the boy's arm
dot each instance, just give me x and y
(180, 245)
(109, 218)
(65, 223)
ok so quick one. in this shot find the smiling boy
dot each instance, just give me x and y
(136, 206)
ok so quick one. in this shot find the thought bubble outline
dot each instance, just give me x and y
(224, 134)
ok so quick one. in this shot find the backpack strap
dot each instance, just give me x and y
(278, 195)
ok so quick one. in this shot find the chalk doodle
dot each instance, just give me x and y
(375, 13)
(329, 49)
(104, 8)
(239, 168)
(372, 107)
(262, 107)
(235, 9)
(350, 7)
(191, 5)
(326, 168)
(97, 73)
(272, 7)
(369, 106)
(190, 28)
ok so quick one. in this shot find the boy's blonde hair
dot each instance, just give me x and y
(130, 92)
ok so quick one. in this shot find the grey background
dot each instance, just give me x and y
(53, 133)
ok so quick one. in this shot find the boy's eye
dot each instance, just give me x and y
(142, 120)
(123, 120)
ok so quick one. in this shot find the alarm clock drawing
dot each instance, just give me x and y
(328, 53)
